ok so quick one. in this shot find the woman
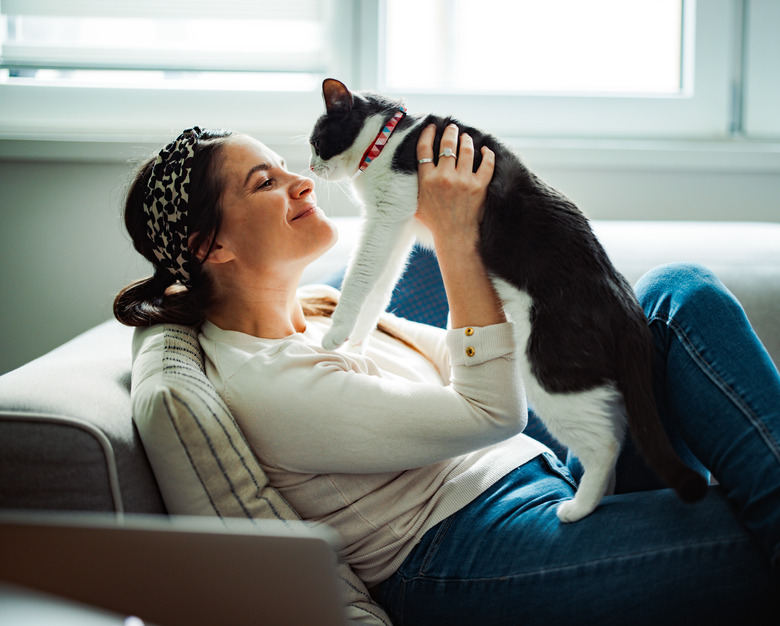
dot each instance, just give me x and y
(413, 451)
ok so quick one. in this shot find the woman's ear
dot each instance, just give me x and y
(210, 251)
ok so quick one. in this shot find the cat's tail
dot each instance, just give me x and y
(635, 382)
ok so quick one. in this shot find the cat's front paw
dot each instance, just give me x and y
(572, 511)
(335, 337)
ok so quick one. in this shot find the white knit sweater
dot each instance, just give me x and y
(380, 446)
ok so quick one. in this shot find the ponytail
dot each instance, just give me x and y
(159, 300)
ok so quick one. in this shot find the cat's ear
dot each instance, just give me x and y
(338, 98)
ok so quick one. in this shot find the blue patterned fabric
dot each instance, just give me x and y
(419, 295)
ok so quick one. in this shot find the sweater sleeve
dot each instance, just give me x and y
(430, 339)
(308, 411)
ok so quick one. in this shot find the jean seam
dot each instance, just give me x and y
(434, 547)
(403, 580)
(727, 390)
(722, 541)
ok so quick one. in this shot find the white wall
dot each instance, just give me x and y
(64, 254)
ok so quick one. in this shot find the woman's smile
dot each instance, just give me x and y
(306, 212)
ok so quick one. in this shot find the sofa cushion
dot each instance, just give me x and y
(202, 462)
(67, 440)
(744, 255)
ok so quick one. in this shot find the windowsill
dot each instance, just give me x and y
(735, 155)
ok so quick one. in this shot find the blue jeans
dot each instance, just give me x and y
(642, 557)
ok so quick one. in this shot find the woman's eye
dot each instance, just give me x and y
(265, 183)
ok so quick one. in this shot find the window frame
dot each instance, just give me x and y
(701, 111)
(705, 111)
(760, 119)
(39, 110)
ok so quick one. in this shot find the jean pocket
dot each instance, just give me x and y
(555, 465)
(429, 546)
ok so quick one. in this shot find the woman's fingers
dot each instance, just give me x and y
(425, 147)
(425, 142)
(454, 164)
(487, 167)
(459, 150)
(448, 151)
(466, 153)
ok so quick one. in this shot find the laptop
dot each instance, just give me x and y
(20, 606)
(171, 571)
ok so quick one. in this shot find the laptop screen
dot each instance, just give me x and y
(171, 571)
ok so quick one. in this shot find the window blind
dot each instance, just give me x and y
(172, 35)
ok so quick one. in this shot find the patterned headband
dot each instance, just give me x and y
(165, 205)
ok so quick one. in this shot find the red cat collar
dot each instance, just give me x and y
(381, 139)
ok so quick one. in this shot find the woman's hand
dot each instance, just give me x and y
(451, 196)
(450, 201)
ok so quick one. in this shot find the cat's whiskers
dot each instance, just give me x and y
(324, 187)
(324, 191)
(299, 139)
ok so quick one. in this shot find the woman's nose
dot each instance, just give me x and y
(302, 187)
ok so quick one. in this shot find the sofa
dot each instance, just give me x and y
(74, 422)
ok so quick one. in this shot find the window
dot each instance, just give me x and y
(759, 71)
(640, 68)
(142, 43)
(96, 68)
(525, 46)
(654, 69)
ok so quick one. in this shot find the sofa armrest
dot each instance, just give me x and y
(67, 441)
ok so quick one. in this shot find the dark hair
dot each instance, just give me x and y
(159, 298)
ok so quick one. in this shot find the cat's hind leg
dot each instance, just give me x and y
(592, 425)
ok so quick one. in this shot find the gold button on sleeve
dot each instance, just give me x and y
(470, 351)
(469, 331)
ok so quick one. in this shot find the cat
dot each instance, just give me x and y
(584, 345)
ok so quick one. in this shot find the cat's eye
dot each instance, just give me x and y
(315, 146)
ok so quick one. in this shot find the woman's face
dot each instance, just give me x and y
(270, 220)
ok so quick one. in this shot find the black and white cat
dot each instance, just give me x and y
(584, 344)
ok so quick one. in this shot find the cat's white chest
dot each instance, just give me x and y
(390, 197)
